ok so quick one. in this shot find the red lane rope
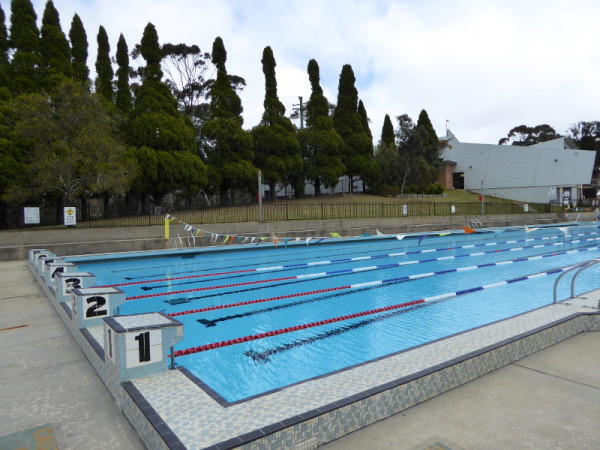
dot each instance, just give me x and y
(261, 300)
(208, 288)
(254, 337)
(215, 274)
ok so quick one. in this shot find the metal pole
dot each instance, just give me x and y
(260, 211)
(482, 202)
(301, 114)
(172, 358)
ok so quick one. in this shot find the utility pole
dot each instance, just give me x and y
(301, 110)
(260, 209)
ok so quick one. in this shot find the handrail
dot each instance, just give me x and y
(581, 266)
(475, 224)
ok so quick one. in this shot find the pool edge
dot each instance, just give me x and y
(334, 420)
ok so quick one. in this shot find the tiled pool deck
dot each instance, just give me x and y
(171, 410)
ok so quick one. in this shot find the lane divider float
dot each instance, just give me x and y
(370, 284)
(353, 259)
(343, 271)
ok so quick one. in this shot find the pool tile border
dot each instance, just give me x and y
(332, 420)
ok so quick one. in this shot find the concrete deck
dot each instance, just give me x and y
(548, 399)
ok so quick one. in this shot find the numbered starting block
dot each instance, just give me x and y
(65, 281)
(33, 253)
(139, 345)
(51, 269)
(90, 305)
(37, 256)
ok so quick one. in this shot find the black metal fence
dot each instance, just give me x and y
(96, 216)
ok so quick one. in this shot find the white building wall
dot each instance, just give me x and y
(532, 174)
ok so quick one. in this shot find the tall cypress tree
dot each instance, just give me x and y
(79, 49)
(321, 146)
(158, 130)
(4, 64)
(317, 106)
(364, 119)
(431, 146)
(358, 148)
(104, 70)
(124, 100)
(224, 101)
(24, 40)
(54, 49)
(388, 136)
(276, 147)
(3, 39)
(387, 155)
(227, 147)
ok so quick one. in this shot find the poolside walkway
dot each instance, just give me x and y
(550, 399)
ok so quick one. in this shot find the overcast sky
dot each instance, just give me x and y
(484, 66)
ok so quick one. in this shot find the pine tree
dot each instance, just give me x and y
(226, 146)
(388, 136)
(124, 99)
(54, 49)
(24, 40)
(104, 70)
(358, 147)
(276, 147)
(321, 146)
(79, 49)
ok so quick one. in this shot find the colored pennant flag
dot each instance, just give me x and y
(469, 230)
(423, 236)
(335, 235)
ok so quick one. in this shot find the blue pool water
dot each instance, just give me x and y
(466, 281)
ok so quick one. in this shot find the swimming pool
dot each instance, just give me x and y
(305, 311)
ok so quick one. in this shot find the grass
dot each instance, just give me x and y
(449, 196)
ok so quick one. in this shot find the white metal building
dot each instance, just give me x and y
(552, 171)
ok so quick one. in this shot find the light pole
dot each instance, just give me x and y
(260, 211)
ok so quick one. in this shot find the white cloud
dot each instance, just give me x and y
(484, 65)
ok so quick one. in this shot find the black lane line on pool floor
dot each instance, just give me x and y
(305, 279)
(263, 357)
